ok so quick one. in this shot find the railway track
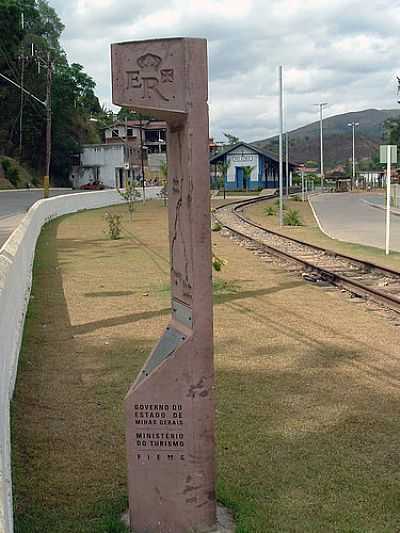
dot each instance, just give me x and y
(361, 278)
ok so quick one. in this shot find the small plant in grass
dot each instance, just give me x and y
(270, 211)
(218, 263)
(114, 225)
(130, 195)
(216, 226)
(292, 218)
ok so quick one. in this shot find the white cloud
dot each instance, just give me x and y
(344, 52)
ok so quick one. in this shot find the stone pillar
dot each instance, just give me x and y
(170, 406)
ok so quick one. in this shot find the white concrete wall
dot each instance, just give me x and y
(108, 157)
(242, 157)
(155, 159)
(16, 259)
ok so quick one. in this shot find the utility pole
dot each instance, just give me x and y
(46, 180)
(21, 105)
(353, 125)
(286, 148)
(127, 147)
(47, 104)
(321, 107)
(141, 158)
(280, 145)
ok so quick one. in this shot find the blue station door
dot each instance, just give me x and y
(239, 177)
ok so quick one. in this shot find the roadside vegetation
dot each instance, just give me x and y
(307, 425)
(14, 175)
(309, 231)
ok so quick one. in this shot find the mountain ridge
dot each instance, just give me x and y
(304, 142)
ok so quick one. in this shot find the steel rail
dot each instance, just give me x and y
(330, 276)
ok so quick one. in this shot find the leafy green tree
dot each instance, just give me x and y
(223, 168)
(73, 92)
(391, 128)
(231, 139)
(247, 171)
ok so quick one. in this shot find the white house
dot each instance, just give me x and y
(106, 163)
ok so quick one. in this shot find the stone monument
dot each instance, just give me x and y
(170, 406)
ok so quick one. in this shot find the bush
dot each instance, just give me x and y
(292, 218)
(114, 225)
(11, 171)
(218, 263)
(216, 226)
(270, 211)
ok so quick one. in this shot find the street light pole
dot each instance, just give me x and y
(280, 145)
(286, 145)
(353, 125)
(321, 107)
(388, 178)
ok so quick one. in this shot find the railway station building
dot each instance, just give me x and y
(264, 165)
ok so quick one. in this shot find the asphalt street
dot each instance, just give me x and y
(14, 205)
(348, 217)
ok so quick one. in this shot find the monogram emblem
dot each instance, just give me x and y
(149, 76)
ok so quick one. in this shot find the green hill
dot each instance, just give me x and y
(304, 142)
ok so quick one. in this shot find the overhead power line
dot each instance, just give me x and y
(44, 103)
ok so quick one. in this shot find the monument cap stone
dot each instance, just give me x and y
(152, 75)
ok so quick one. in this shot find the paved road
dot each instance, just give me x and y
(14, 205)
(348, 217)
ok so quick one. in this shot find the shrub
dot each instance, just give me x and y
(114, 225)
(270, 211)
(216, 226)
(218, 263)
(11, 171)
(292, 218)
(130, 195)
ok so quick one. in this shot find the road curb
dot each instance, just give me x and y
(317, 218)
(37, 189)
(393, 210)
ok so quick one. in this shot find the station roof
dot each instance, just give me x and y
(215, 158)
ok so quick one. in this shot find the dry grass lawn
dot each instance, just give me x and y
(308, 387)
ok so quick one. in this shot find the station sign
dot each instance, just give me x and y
(383, 150)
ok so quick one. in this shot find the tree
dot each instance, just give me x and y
(223, 170)
(73, 91)
(247, 171)
(391, 128)
(232, 139)
(130, 195)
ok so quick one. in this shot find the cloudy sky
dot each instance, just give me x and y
(345, 52)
